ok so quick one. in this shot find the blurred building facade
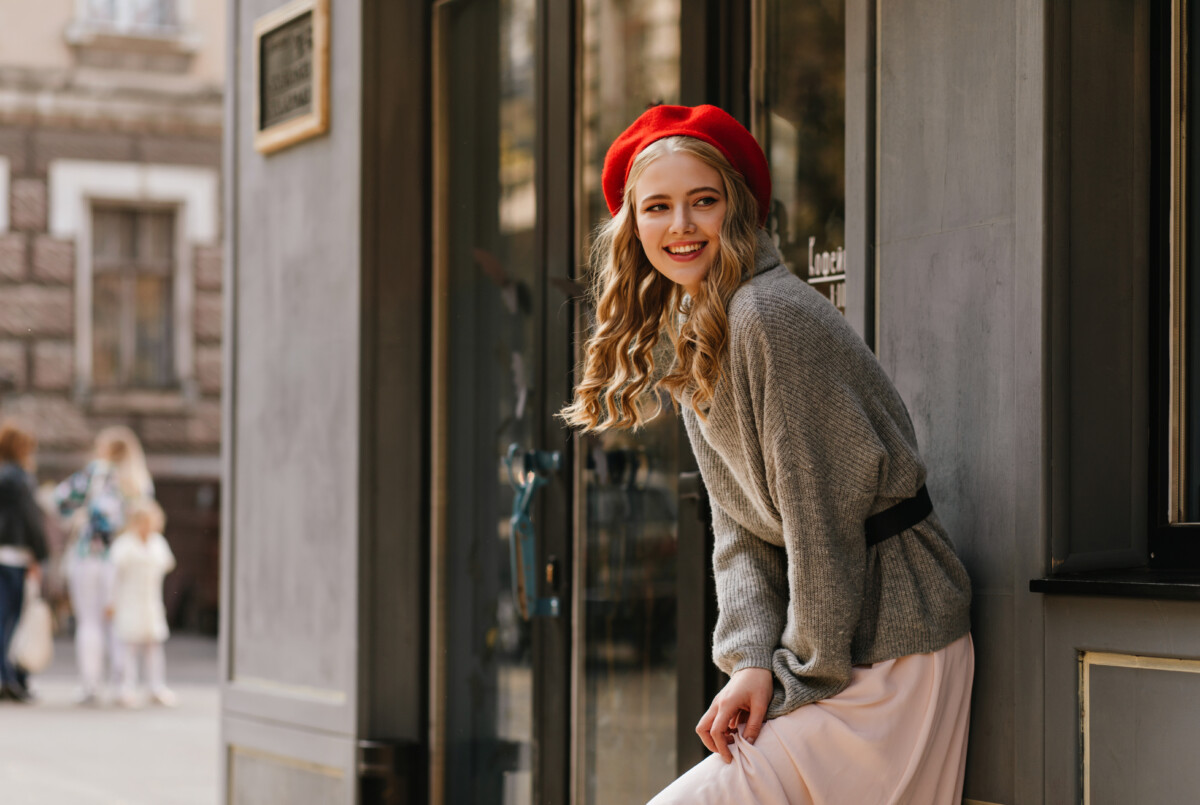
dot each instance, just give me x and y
(110, 249)
(435, 593)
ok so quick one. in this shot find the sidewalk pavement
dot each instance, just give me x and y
(54, 752)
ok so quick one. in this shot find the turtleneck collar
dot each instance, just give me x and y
(766, 255)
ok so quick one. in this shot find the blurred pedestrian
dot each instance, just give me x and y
(22, 544)
(141, 558)
(97, 498)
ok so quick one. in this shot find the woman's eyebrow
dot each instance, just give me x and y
(693, 192)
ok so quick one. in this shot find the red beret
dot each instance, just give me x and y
(708, 123)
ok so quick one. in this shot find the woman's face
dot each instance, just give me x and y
(680, 208)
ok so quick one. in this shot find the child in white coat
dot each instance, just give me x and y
(141, 558)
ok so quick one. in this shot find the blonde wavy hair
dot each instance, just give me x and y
(147, 511)
(120, 445)
(634, 305)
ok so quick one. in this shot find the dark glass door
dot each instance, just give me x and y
(562, 684)
(627, 535)
(490, 296)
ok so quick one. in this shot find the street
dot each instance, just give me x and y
(54, 752)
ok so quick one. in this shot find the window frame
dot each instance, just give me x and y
(129, 270)
(1174, 543)
(122, 23)
(74, 185)
(858, 279)
(183, 384)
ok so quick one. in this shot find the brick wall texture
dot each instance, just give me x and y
(28, 205)
(53, 365)
(209, 263)
(210, 316)
(37, 308)
(13, 365)
(53, 260)
(59, 144)
(13, 257)
(208, 369)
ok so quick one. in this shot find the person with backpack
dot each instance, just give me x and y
(97, 499)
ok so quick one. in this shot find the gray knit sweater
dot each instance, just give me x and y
(806, 437)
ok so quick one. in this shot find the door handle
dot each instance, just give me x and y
(527, 474)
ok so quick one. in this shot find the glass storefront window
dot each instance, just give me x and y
(489, 108)
(1185, 287)
(626, 683)
(800, 119)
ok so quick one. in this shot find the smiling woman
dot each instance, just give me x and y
(675, 192)
(680, 209)
(843, 610)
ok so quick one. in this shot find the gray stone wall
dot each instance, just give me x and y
(960, 280)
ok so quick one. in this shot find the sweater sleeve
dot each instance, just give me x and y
(821, 460)
(752, 590)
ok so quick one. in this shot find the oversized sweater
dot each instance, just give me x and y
(805, 438)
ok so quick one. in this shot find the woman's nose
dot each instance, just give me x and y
(682, 220)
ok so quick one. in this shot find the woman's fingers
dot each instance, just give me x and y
(754, 722)
(720, 732)
(714, 731)
(702, 729)
(754, 686)
(746, 697)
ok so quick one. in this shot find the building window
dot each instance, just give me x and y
(800, 119)
(1174, 290)
(133, 267)
(132, 16)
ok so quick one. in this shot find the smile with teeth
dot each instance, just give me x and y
(686, 248)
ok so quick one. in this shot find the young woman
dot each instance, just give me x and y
(843, 611)
(22, 544)
(97, 497)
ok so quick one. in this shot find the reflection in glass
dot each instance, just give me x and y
(489, 105)
(106, 329)
(800, 119)
(152, 331)
(625, 733)
(1187, 368)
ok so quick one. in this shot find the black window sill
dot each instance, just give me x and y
(1141, 582)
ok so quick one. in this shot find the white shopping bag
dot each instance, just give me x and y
(32, 646)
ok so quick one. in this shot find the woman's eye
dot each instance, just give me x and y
(706, 201)
(656, 208)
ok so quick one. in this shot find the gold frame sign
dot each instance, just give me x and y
(291, 75)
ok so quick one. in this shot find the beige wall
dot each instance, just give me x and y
(33, 34)
(208, 22)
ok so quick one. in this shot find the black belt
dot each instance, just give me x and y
(901, 517)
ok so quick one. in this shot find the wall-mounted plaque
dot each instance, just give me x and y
(291, 74)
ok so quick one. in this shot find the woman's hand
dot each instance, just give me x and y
(748, 693)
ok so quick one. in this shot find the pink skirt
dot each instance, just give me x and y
(897, 734)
